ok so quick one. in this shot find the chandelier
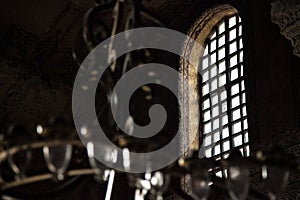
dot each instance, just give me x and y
(57, 143)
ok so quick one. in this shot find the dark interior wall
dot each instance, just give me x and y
(272, 75)
(273, 88)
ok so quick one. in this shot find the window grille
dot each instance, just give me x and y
(223, 98)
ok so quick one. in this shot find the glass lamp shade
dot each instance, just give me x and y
(238, 173)
(199, 184)
(140, 194)
(150, 185)
(159, 185)
(276, 171)
(141, 183)
(58, 158)
(237, 182)
(58, 154)
(19, 161)
(98, 150)
(140, 161)
(276, 180)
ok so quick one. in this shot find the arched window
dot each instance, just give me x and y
(223, 97)
(215, 102)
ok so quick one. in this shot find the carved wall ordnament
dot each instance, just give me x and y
(286, 13)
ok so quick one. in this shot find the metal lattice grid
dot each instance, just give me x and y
(223, 98)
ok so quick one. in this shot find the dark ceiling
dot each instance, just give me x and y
(37, 39)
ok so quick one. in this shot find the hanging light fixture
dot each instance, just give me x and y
(238, 172)
(159, 184)
(102, 172)
(19, 161)
(198, 176)
(57, 154)
(57, 159)
(199, 183)
(276, 171)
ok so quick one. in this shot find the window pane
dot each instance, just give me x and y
(222, 80)
(232, 47)
(207, 128)
(238, 140)
(243, 85)
(216, 136)
(215, 111)
(213, 58)
(213, 45)
(214, 85)
(205, 63)
(222, 53)
(222, 66)
(222, 40)
(213, 71)
(215, 99)
(245, 124)
(226, 145)
(205, 51)
(240, 30)
(242, 70)
(235, 89)
(236, 114)
(223, 95)
(224, 107)
(244, 111)
(208, 153)
(234, 74)
(206, 104)
(232, 34)
(205, 76)
(241, 56)
(243, 98)
(216, 124)
(246, 137)
(217, 150)
(247, 151)
(205, 89)
(222, 27)
(236, 127)
(241, 43)
(232, 22)
(207, 115)
(225, 133)
(213, 35)
(235, 102)
(233, 61)
(207, 140)
(224, 120)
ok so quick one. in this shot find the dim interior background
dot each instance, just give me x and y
(38, 41)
